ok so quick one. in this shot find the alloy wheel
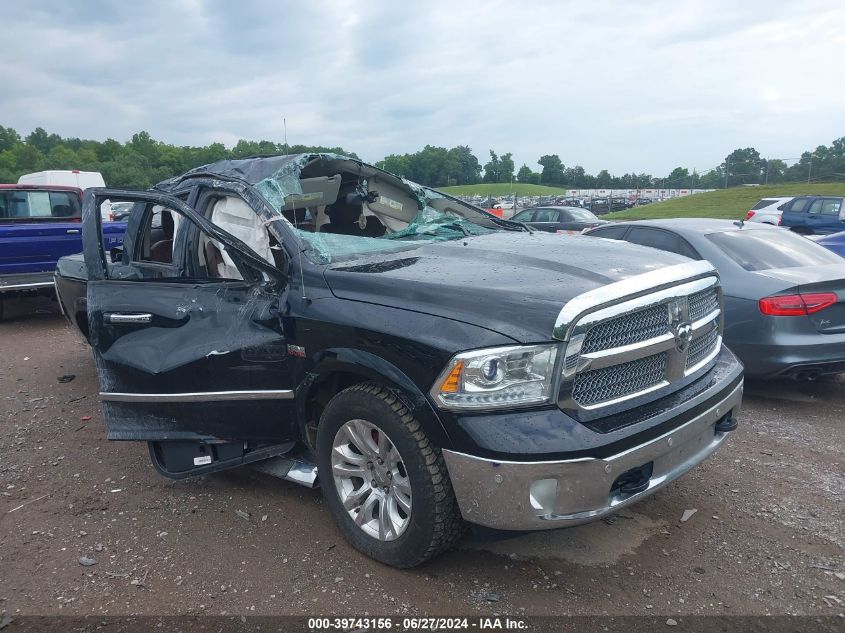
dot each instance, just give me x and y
(371, 480)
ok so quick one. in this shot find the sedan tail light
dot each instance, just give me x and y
(797, 305)
(749, 215)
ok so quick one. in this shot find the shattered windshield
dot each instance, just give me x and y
(436, 226)
(327, 246)
(428, 226)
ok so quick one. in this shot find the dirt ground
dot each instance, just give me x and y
(767, 537)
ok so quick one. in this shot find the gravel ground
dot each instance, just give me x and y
(767, 537)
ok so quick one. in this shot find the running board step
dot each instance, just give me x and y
(293, 469)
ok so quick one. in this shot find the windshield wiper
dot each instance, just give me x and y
(513, 223)
(460, 227)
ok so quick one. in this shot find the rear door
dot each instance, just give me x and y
(185, 353)
(795, 213)
(823, 216)
(546, 220)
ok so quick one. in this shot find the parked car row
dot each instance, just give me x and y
(808, 215)
(507, 205)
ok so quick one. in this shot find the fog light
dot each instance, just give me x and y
(543, 494)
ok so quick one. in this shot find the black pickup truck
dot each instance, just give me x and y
(434, 364)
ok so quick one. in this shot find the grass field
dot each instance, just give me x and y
(503, 189)
(726, 203)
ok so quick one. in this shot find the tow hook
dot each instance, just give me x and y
(726, 424)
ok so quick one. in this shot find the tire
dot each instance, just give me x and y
(434, 522)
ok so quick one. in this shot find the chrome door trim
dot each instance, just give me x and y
(124, 317)
(197, 396)
(26, 286)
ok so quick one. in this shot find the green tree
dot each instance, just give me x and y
(526, 175)
(774, 170)
(743, 166)
(506, 168)
(43, 142)
(604, 180)
(26, 158)
(467, 169)
(8, 138)
(493, 168)
(61, 157)
(678, 178)
(430, 166)
(574, 176)
(395, 164)
(552, 173)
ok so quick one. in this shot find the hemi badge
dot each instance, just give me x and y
(296, 350)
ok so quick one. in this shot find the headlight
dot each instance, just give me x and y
(498, 377)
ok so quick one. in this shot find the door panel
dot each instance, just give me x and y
(185, 358)
(36, 247)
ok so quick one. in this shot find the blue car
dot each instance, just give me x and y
(834, 242)
(814, 215)
(38, 225)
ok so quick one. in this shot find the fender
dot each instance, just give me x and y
(370, 367)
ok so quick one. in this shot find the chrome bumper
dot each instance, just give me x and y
(25, 282)
(546, 495)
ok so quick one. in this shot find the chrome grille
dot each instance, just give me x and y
(627, 330)
(702, 303)
(702, 346)
(642, 343)
(610, 383)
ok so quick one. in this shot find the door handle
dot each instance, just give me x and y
(125, 317)
(73, 231)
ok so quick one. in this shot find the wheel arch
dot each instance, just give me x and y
(338, 369)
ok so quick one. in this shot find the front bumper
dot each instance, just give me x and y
(24, 282)
(511, 495)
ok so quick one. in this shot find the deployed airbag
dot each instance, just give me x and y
(236, 217)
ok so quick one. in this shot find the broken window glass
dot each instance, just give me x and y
(428, 225)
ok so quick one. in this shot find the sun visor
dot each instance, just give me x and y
(392, 201)
(316, 192)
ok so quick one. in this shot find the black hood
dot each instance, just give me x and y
(512, 283)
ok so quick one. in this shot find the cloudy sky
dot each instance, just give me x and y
(625, 86)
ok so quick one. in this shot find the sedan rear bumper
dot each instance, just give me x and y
(544, 495)
(794, 355)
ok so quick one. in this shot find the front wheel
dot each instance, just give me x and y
(384, 482)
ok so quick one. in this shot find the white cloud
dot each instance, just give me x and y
(625, 86)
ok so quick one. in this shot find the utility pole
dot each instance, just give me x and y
(727, 171)
(285, 124)
(767, 171)
(810, 172)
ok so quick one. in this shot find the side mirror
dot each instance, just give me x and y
(116, 254)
